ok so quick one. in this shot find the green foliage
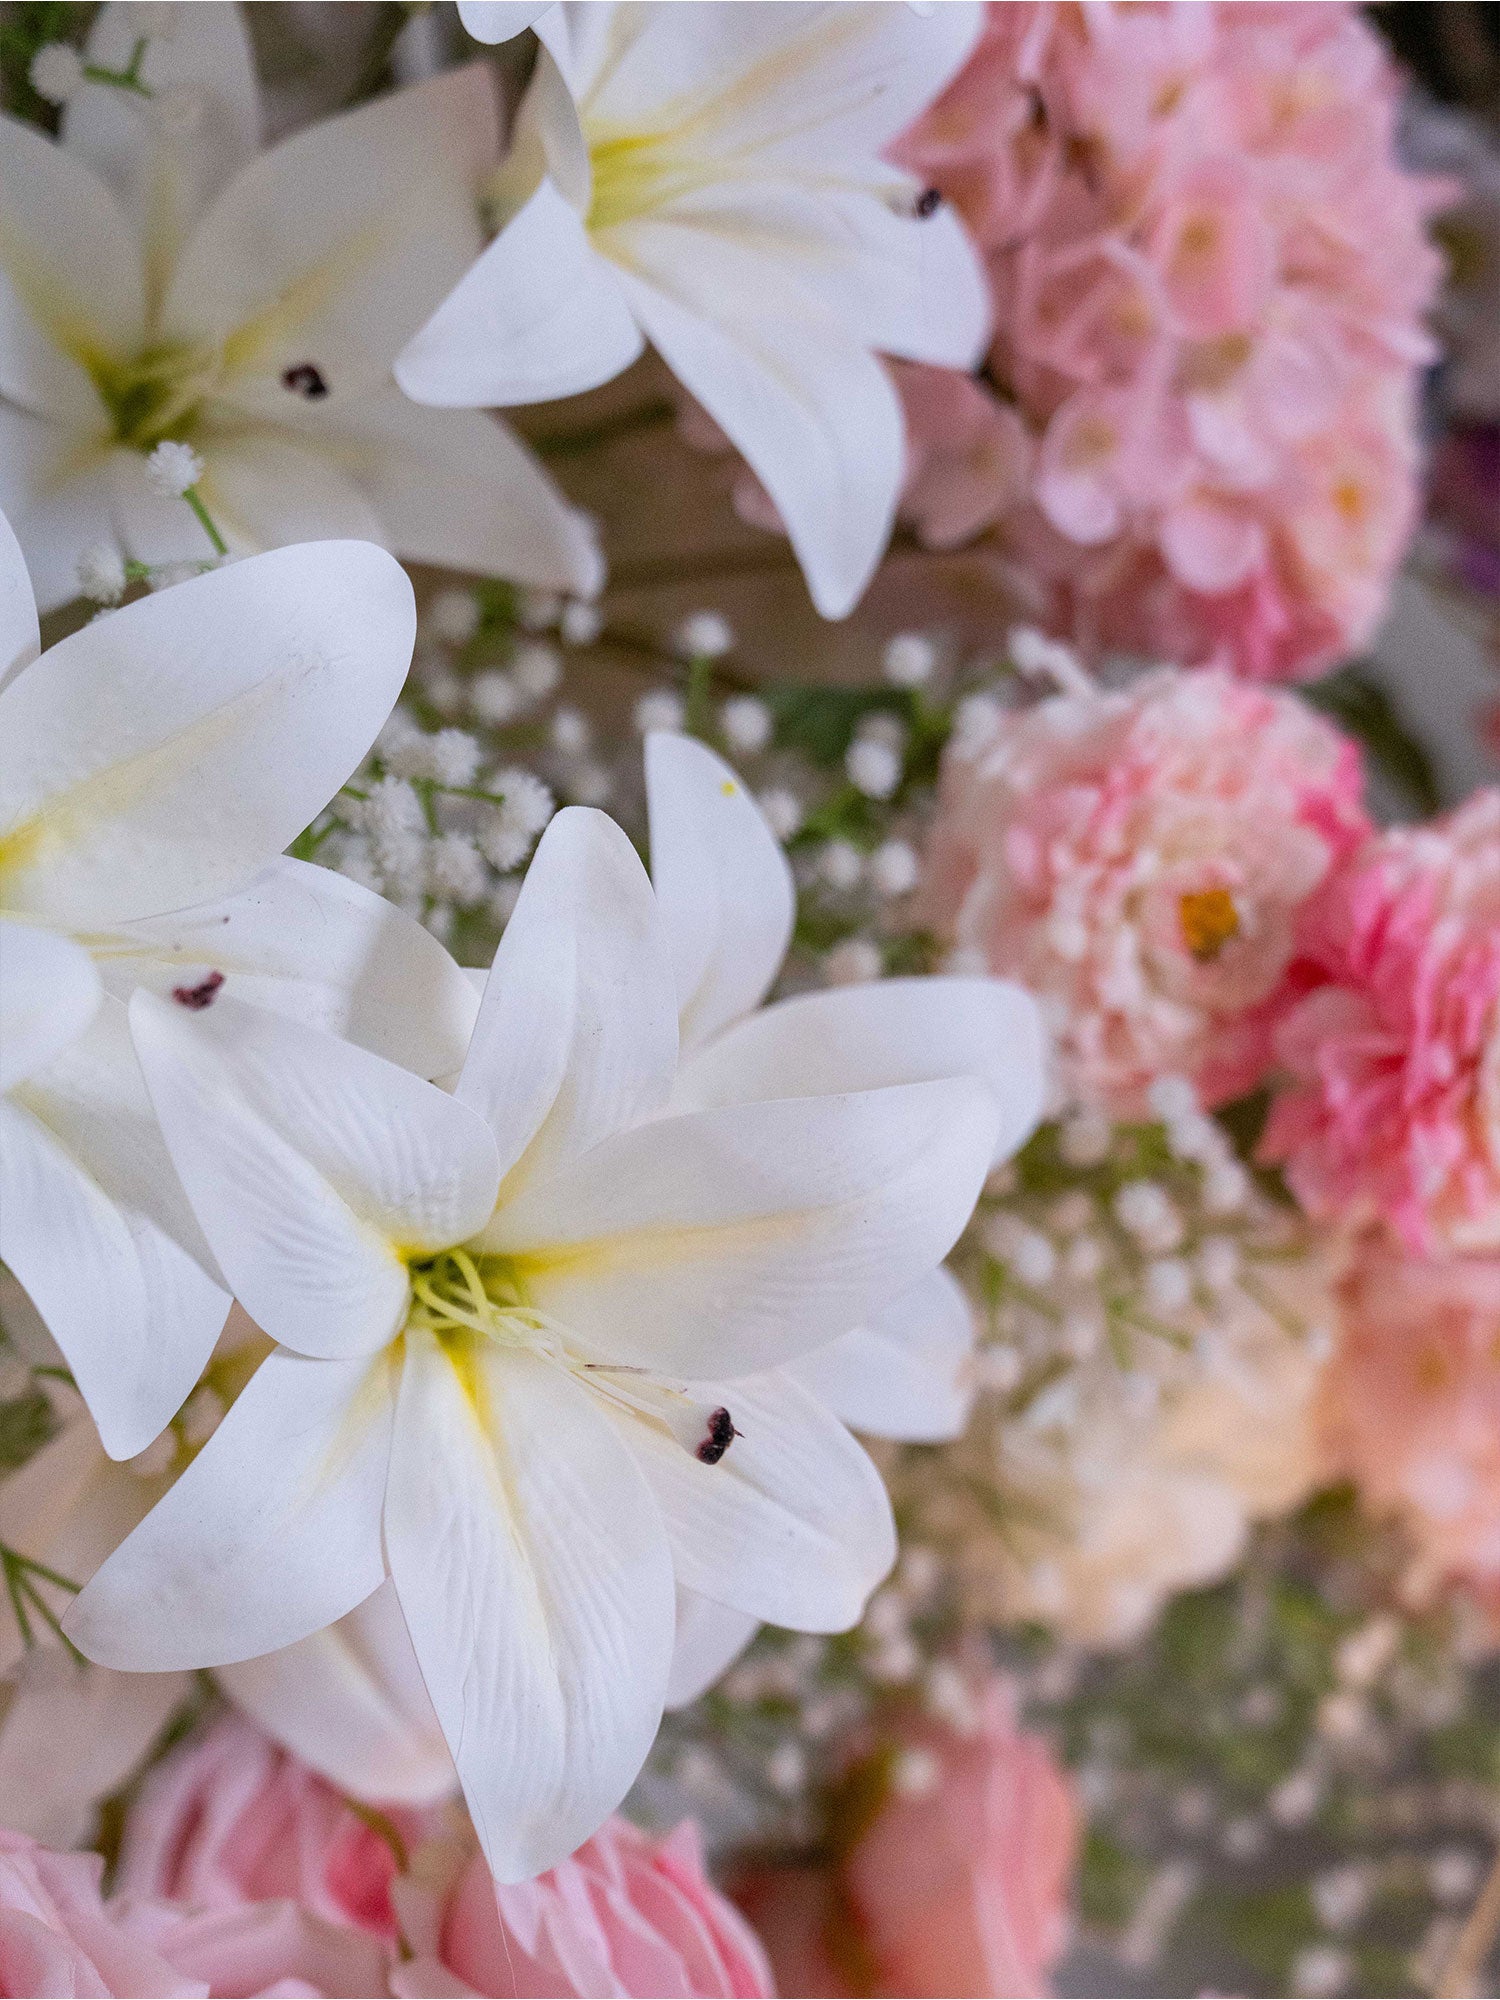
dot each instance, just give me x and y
(1356, 701)
(26, 1424)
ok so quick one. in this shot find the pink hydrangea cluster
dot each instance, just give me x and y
(1411, 1406)
(1195, 436)
(1391, 1110)
(1140, 860)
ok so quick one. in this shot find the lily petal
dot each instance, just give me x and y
(271, 1533)
(49, 992)
(889, 1031)
(907, 1373)
(350, 1703)
(135, 1316)
(814, 413)
(161, 756)
(722, 882)
(312, 1166)
(792, 1525)
(498, 20)
(540, 315)
(710, 1638)
(724, 1242)
(70, 280)
(165, 159)
(331, 249)
(577, 1030)
(20, 635)
(537, 1584)
(309, 943)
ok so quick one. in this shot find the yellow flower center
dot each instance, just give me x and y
(157, 394)
(1209, 920)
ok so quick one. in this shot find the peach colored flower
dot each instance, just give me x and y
(57, 1936)
(960, 1883)
(1209, 278)
(228, 1818)
(626, 1914)
(1140, 859)
(1411, 1405)
(1392, 1111)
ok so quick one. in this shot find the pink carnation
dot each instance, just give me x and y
(1411, 1407)
(958, 1885)
(1209, 279)
(626, 1914)
(1140, 860)
(1392, 1110)
(228, 1818)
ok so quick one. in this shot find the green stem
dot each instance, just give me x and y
(195, 501)
(128, 78)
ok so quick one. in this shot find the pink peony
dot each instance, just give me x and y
(1392, 1110)
(959, 1884)
(1140, 860)
(57, 1936)
(227, 1818)
(1411, 1406)
(626, 1914)
(1209, 279)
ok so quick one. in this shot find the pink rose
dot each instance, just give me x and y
(959, 1885)
(228, 1818)
(1392, 1108)
(626, 1914)
(57, 1936)
(1411, 1406)
(1140, 860)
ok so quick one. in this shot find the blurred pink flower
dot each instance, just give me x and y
(1411, 1406)
(1392, 1110)
(57, 1936)
(1139, 860)
(626, 1914)
(228, 1818)
(1209, 277)
(959, 1885)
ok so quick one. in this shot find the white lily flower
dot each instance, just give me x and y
(152, 768)
(728, 901)
(505, 1317)
(709, 178)
(162, 279)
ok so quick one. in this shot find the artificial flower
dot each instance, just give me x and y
(1140, 858)
(727, 902)
(710, 179)
(228, 1818)
(626, 1914)
(57, 1935)
(1410, 1407)
(1209, 276)
(957, 1879)
(505, 1318)
(168, 282)
(1390, 1109)
(154, 765)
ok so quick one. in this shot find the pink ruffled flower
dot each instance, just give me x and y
(57, 1936)
(1209, 279)
(1140, 860)
(626, 1914)
(1411, 1407)
(229, 1818)
(958, 1886)
(1392, 1110)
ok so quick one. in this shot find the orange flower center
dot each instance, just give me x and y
(1209, 920)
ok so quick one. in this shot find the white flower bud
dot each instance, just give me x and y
(536, 670)
(909, 660)
(581, 623)
(494, 697)
(56, 72)
(571, 732)
(783, 810)
(746, 723)
(841, 865)
(660, 709)
(874, 767)
(453, 616)
(855, 962)
(894, 868)
(101, 573)
(706, 635)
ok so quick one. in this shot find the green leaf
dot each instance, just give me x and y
(1355, 700)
